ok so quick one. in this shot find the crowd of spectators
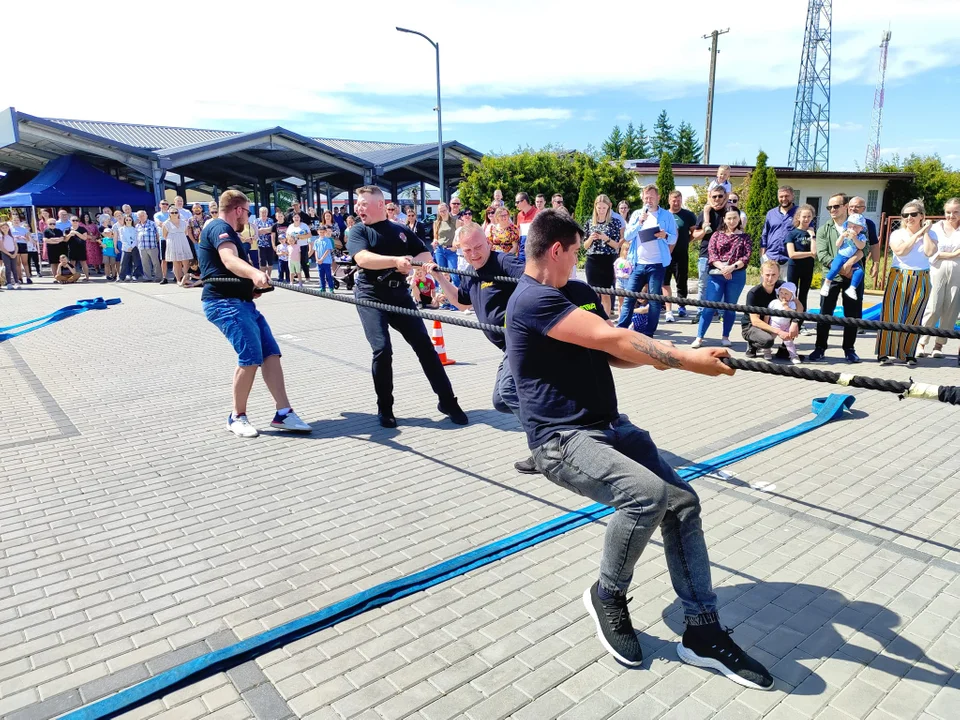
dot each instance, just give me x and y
(643, 250)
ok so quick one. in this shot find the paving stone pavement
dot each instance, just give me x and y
(135, 533)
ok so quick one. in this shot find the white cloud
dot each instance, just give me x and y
(348, 78)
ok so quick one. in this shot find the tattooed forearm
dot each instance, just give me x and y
(655, 350)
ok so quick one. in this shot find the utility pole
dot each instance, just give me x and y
(713, 76)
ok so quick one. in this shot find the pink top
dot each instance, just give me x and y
(729, 249)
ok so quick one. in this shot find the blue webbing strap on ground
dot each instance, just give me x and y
(56, 316)
(826, 409)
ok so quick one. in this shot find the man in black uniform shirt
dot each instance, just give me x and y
(489, 300)
(560, 348)
(383, 251)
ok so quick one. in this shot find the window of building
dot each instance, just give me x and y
(815, 201)
(872, 196)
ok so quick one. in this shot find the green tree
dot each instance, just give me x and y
(663, 141)
(665, 177)
(588, 193)
(613, 146)
(688, 149)
(758, 202)
(933, 182)
(546, 171)
(636, 144)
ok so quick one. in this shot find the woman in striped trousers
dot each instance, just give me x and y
(908, 285)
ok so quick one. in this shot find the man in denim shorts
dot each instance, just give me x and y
(230, 306)
(560, 347)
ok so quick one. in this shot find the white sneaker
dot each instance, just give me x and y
(669, 317)
(726, 342)
(768, 355)
(292, 422)
(16, 286)
(851, 292)
(922, 353)
(796, 360)
(698, 342)
(241, 427)
(825, 288)
(937, 353)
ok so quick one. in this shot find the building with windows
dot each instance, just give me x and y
(811, 187)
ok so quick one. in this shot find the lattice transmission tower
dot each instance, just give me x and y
(872, 161)
(810, 138)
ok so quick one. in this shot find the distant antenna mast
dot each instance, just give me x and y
(872, 161)
(810, 137)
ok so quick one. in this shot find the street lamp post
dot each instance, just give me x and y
(436, 47)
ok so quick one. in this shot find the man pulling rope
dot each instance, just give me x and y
(560, 347)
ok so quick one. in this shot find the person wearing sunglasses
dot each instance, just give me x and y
(828, 241)
(709, 220)
(908, 284)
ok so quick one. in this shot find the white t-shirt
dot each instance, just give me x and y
(648, 253)
(913, 260)
(944, 244)
(302, 233)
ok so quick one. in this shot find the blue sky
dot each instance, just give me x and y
(512, 74)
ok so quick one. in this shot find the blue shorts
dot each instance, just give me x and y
(245, 328)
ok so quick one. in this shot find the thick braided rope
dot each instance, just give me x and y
(945, 394)
(748, 309)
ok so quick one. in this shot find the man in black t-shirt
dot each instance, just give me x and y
(383, 251)
(489, 299)
(709, 221)
(56, 245)
(757, 330)
(230, 306)
(560, 348)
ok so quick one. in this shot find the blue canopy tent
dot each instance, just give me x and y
(70, 182)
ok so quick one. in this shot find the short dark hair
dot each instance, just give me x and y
(548, 227)
(522, 196)
(844, 197)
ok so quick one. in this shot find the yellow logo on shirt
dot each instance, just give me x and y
(486, 285)
(589, 306)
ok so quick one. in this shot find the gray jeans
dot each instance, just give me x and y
(621, 467)
(150, 258)
(505, 398)
(758, 339)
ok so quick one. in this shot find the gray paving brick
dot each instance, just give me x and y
(267, 704)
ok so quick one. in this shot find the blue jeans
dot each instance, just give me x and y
(325, 270)
(619, 466)
(445, 257)
(701, 280)
(505, 397)
(245, 328)
(856, 279)
(652, 277)
(719, 289)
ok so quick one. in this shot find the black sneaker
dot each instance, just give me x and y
(852, 357)
(782, 353)
(614, 629)
(751, 351)
(711, 646)
(387, 419)
(526, 467)
(453, 410)
(817, 355)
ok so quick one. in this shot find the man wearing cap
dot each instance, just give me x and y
(489, 300)
(383, 251)
(858, 205)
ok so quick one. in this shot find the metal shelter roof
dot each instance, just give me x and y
(221, 157)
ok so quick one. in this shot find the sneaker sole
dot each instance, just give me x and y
(588, 603)
(240, 435)
(691, 658)
(280, 426)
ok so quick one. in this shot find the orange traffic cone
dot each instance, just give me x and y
(438, 344)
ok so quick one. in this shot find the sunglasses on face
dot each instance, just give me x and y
(834, 207)
(716, 197)
(912, 214)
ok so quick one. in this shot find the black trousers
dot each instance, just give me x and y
(851, 308)
(376, 325)
(679, 267)
(305, 260)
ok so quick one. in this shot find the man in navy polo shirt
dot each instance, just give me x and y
(489, 299)
(560, 347)
(230, 306)
(776, 231)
